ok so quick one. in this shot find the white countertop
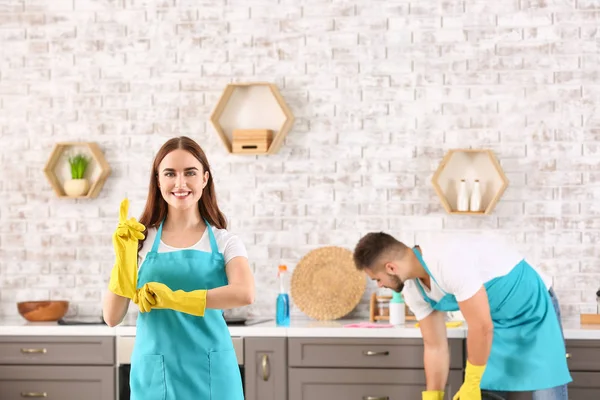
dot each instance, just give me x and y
(298, 328)
(310, 328)
(264, 329)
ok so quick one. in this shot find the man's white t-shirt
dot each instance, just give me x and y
(461, 264)
(229, 245)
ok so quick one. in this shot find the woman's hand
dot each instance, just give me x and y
(123, 277)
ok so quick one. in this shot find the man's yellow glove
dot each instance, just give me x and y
(123, 277)
(158, 295)
(433, 395)
(470, 389)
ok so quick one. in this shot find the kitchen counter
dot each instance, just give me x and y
(298, 328)
(19, 326)
(310, 328)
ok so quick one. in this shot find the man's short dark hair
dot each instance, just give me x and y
(374, 246)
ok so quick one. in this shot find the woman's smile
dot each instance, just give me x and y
(181, 195)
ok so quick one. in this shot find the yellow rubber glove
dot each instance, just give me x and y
(158, 295)
(433, 395)
(470, 389)
(144, 299)
(123, 277)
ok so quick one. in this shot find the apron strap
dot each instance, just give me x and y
(157, 238)
(418, 254)
(213, 242)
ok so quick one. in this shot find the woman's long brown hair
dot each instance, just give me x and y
(156, 207)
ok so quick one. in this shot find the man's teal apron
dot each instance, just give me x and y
(178, 356)
(528, 351)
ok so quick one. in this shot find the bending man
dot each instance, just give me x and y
(514, 340)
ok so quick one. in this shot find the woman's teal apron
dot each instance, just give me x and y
(178, 356)
(528, 351)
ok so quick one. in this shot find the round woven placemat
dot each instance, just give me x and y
(326, 285)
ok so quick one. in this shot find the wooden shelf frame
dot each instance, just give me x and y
(469, 164)
(373, 309)
(98, 162)
(243, 93)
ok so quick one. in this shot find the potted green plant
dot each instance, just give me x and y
(78, 185)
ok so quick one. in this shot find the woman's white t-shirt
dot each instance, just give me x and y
(461, 264)
(229, 245)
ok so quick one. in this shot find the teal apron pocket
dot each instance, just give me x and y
(148, 378)
(225, 378)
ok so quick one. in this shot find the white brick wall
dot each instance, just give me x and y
(381, 89)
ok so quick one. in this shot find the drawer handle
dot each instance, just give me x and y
(568, 355)
(265, 367)
(34, 394)
(34, 351)
(376, 353)
(375, 398)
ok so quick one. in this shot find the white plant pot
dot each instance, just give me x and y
(76, 187)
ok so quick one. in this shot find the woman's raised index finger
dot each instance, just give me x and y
(124, 209)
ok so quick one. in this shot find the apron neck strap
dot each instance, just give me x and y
(417, 253)
(424, 265)
(213, 242)
(157, 238)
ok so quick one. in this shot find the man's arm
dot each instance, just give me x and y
(436, 355)
(476, 311)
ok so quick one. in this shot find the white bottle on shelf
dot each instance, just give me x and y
(475, 203)
(397, 310)
(462, 200)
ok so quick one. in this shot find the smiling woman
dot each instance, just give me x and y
(181, 182)
(190, 269)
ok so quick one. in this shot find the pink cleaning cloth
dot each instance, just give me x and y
(368, 325)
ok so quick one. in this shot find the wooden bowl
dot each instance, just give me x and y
(38, 311)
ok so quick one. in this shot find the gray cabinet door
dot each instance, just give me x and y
(365, 353)
(362, 384)
(265, 368)
(584, 364)
(57, 383)
(585, 386)
(583, 355)
(57, 350)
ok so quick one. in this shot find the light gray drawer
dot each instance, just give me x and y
(64, 350)
(584, 355)
(365, 353)
(57, 383)
(362, 384)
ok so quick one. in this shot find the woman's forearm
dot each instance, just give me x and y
(229, 296)
(114, 308)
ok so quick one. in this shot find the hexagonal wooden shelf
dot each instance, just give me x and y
(470, 165)
(57, 168)
(252, 106)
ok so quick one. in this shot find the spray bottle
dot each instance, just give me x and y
(282, 316)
